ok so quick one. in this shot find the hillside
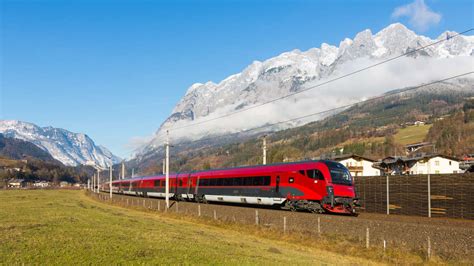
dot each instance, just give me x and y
(69, 148)
(17, 149)
(375, 129)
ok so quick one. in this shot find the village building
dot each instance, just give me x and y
(358, 165)
(420, 165)
(16, 183)
(41, 184)
(64, 184)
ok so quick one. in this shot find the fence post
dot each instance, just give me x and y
(429, 248)
(256, 217)
(367, 239)
(319, 225)
(199, 210)
(388, 196)
(384, 245)
(158, 205)
(429, 191)
(284, 225)
(215, 215)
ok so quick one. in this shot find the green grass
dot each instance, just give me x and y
(412, 134)
(66, 227)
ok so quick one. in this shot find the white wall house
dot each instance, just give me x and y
(438, 164)
(358, 165)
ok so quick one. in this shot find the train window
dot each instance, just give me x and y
(157, 183)
(228, 182)
(204, 182)
(180, 182)
(219, 181)
(248, 181)
(301, 172)
(212, 182)
(237, 181)
(315, 174)
(266, 180)
(257, 180)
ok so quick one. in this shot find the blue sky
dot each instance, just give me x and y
(115, 69)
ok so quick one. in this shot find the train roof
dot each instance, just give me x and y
(248, 167)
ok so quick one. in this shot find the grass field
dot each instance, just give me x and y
(67, 227)
(412, 134)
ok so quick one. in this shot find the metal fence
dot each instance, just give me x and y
(440, 195)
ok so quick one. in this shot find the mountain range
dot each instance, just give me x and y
(297, 71)
(69, 148)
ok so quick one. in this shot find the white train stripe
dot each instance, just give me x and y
(245, 200)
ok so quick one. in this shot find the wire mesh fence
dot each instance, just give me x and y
(440, 195)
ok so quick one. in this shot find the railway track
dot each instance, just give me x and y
(449, 238)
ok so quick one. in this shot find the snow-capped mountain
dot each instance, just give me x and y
(65, 146)
(296, 70)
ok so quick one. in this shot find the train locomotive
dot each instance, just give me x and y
(315, 186)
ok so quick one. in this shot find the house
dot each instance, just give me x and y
(420, 165)
(41, 184)
(467, 163)
(16, 183)
(358, 165)
(64, 184)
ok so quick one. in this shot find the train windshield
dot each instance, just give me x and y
(341, 177)
(339, 174)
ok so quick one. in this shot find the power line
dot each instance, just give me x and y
(323, 83)
(344, 106)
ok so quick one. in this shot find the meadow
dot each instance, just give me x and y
(412, 134)
(67, 227)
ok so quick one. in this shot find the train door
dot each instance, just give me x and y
(189, 184)
(279, 180)
(196, 189)
(176, 195)
(317, 180)
(277, 184)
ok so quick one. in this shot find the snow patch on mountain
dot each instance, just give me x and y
(67, 147)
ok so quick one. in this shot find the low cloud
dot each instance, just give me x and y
(403, 73)
(421, 17)
(137, 142)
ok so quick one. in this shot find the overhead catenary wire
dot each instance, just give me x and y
(344, 106)
(323, 83)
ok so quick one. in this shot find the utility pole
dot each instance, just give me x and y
(167, 170)
(264, 149)
(163, 172)
(123, 170)
(110, 183)
(88, 184)
(93, 183)
(133, 172)
(98, 180)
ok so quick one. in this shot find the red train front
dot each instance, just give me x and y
(316, 186)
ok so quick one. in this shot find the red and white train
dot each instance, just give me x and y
(316, 186)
